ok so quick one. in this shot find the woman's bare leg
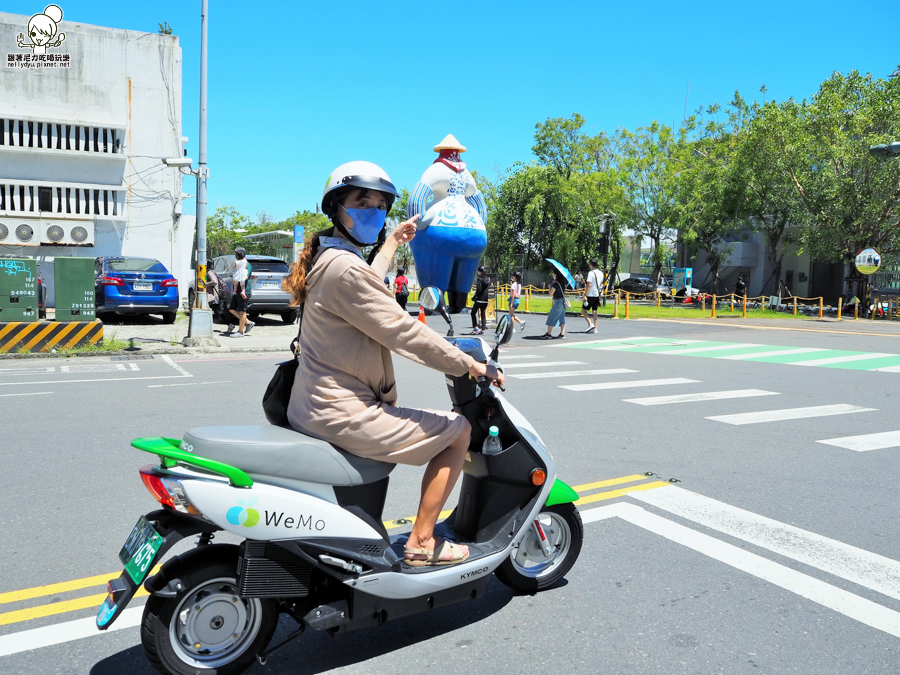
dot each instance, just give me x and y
(437, 483)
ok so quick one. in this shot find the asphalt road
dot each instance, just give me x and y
(774, 553)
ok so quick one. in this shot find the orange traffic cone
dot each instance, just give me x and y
(421, 314)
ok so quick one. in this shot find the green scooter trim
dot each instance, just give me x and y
(561, 493)
(170, 453)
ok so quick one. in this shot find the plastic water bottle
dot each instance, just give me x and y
(492, 442)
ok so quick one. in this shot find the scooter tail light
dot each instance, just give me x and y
(168, 491)
(538, 477)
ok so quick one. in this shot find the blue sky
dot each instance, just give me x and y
(295, 89)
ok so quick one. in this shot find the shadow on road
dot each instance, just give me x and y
(316, 652)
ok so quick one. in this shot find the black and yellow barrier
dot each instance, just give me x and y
(42, 336)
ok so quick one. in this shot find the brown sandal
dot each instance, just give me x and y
(444, 553)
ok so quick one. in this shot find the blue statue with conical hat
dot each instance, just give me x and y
(451, 234)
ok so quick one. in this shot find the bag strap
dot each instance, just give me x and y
(295, 343)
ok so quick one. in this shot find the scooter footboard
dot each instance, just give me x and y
(172, 527)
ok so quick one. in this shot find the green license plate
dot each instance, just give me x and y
(140, 549)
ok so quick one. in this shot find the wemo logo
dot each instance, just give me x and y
(243, 514)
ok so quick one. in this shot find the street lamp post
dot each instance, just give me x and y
(200, 327)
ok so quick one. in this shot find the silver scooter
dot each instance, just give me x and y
(314, 545)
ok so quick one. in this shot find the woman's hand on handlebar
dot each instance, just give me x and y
(479, 370)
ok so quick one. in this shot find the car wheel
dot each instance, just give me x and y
(169, 317)
(191, 296)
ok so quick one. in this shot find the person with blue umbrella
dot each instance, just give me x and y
(557, 315)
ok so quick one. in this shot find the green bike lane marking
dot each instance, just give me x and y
(844, 359)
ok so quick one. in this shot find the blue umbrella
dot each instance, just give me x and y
(562, 270)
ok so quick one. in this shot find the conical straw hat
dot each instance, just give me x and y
(450, 143)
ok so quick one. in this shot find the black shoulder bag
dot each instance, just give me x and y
(278, 393)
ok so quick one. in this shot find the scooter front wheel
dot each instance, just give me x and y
(536, 564)
(207, 627)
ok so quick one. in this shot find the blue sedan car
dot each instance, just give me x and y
(127, 285)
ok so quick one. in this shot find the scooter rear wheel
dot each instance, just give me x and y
(207, 627)
(529, 568)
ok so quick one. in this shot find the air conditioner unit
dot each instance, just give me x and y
(62, 233)
(18, 233)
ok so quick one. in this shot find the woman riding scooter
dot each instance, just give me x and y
(344, 391)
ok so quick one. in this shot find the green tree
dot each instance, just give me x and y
(851, 198)
(649, 163)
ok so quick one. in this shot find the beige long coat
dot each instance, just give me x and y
(344, 391)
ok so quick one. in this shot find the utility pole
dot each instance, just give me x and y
(200, 327)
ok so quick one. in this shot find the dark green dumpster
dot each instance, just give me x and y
(74, 281)
(18, 290)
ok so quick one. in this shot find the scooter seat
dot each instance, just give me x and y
(274, 451)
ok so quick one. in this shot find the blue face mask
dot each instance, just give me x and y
(367, 223)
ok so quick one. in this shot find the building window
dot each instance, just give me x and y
(45, 199)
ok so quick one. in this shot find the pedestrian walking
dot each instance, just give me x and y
(238, 307)
(591, 301)
(740, 288)
(480, 300)
(579, 281)
(515, 293)
(557, 315)
(401, 287)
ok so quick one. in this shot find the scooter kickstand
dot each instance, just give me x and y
(542, 538)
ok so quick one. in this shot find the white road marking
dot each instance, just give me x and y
(625, 385)
(837, 599)
(599, 342)
(841, 359)
(543, 364)
(657, 344)
(96, 379)
(886, 439)
(887, 369)
(33, 393)
(862, 567)
(571, 373)
(790, 414)
(168, 359)
(705, 396)
(762, 355)
(93, 368)
(694, 350)
(186, 384)
(39, 370)
(521, 356)
(47, 636)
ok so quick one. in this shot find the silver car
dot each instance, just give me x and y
(266, 296)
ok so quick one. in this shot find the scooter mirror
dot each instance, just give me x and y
(504, 330)
(430, 298)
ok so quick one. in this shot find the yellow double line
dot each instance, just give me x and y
(94, 601)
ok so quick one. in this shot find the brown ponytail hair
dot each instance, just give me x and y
(295, 282)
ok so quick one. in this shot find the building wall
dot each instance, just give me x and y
(127, 86)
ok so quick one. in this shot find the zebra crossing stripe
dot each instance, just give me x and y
(711, 348)
(889, 369)
(705, 396)
(790, 414)
(762, 355)
(543, 364)
(628, 384)
(573, 373)
(880, 441)
(842, 359)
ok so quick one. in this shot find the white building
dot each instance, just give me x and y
(83, 130)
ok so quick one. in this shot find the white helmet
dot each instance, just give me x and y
(357, 174)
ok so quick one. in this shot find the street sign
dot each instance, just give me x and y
(868, 261)
(298, 241)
